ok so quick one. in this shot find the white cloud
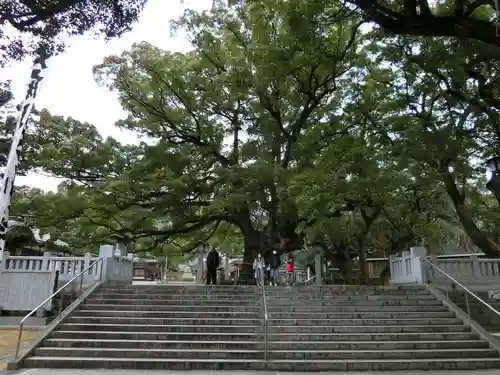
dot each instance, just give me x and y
(69, 88)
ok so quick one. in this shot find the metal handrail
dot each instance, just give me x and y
(265, 322)
(21, 325)
(465, 289)
(309, 279)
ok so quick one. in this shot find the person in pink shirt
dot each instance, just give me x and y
(289, 269)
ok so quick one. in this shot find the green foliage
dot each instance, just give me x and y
(285, 123)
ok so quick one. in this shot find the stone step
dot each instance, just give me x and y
(258, 312)
(236, 297)
(368, 329)
(137, 309)
(258, 345)
(271, 304)
(275, 291)
(314, 355)
(256, 365)
(428, 364)
(168, 297)
(91, 334)
(361, 297)
(414, 309)
(192, 319)
(360, 315)
(252, 288)
(354, 303)
(212, 353)
(187, 321)
(290, 292)
(170, 314)
(162, 327)
(348, 322)
(250, 336)
(177, 291)
(152, 301)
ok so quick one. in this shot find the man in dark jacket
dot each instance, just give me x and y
(274, 266)
(212, 265)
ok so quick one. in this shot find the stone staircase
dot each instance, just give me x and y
(369, 328)
(221, 327)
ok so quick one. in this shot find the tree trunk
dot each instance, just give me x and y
(477, 236)
(493, 185)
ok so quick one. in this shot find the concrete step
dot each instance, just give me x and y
(250, 336)
(348, 298)
(206, 319)
(212, 353)
(382, 354)
(275, 291)
(248, 288)
(161, 327)
(161, 297)
(258, 345)
(170, 314)
(143, 363)
(184, 292)
(257, 312)
(364, 322)
(271, 303)
(371, 308)
(256, 365)
(188, 321)
(359, 315)
(354, 303)
(290, 292)
(92, 334)
(154, 302)
(427, 364)
(129, 309)
(368, 329)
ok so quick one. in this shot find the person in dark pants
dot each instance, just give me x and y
(274, 266)
(212, 265)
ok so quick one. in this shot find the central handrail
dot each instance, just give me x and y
(21, 325)
(465, 289)
(309, 279)
(265, 321)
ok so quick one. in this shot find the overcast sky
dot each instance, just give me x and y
(69, 88)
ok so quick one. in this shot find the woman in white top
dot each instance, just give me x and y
(258, 266)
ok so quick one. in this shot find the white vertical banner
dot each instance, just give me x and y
(9, 173)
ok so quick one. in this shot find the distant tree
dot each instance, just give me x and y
(27, 25)
(48, 21)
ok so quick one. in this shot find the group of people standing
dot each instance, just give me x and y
(259, 266)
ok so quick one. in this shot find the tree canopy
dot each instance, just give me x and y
(287, 125)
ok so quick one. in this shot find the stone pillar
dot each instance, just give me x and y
(106, 251)
(120, 249)
(200, 268)
(46, 261)
(226, 266)
(476, 268)
(418, 266)
(318, 265)
(5, 254)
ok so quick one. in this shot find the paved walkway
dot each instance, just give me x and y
(167, 372)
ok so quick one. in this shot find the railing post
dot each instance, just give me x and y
(418, 269)
(476, 268)
(318, 265)
(3, 261)
(46, 261)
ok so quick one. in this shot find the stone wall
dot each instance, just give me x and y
(478, 311)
